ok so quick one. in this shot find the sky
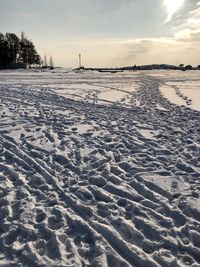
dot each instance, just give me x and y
(108, 33)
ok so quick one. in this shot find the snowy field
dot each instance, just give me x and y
(99, 169)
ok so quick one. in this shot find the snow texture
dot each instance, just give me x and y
(99, 169)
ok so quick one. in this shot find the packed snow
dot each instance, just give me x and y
(99, 169)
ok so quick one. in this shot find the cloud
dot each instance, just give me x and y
(129, 51)
(17, 14)
(189, 29)
(114, 53)
(100, 47)
(172, 7)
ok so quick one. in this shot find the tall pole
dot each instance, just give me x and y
(79, 60)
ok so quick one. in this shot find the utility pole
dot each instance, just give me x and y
(79, 60)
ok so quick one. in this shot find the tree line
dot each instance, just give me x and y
(15, 50)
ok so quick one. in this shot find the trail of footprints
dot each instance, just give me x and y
(70, 197)
(185, 98)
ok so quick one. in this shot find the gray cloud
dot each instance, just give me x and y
(136, 48)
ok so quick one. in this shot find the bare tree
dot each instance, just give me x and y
(45, 61)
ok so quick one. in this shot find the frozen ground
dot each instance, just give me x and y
(99, 170)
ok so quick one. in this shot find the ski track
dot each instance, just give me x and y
(98, 185)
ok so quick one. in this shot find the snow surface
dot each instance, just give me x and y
(99, 169)
(182, 88)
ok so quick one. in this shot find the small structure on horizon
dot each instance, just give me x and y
(80, 63)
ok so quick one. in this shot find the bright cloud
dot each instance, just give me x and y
(190, 27)
(172, 6)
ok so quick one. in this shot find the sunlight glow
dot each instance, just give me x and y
(172, 6)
